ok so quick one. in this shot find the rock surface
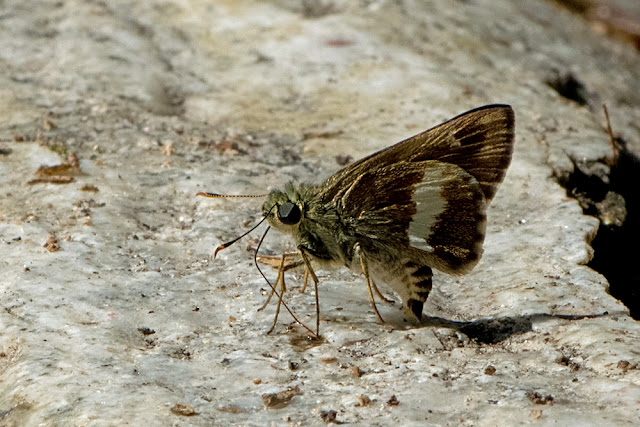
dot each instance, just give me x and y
(113, 310)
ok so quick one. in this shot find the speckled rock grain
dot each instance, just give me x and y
(160, 100)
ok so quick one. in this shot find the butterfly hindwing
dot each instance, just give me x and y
(430, 210)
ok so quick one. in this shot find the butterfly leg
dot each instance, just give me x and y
(307, 264)
(419, 286)
(283, 289)
(382, 297)
(365, 270)
(275, 285)
(306, 279)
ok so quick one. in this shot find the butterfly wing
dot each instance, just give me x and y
(425, 198)
(479, 141)
(430, 212)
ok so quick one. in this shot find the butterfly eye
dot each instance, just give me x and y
(289, 213)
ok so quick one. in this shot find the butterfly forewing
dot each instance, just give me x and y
(480, 141)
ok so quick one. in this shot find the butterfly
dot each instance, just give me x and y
(400, 212)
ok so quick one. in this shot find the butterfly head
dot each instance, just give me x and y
(284, 210)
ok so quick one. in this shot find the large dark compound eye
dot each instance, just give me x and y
(289, 213)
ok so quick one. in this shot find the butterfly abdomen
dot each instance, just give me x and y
(410, 279)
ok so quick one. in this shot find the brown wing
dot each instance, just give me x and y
(429, 212)
(479, 141)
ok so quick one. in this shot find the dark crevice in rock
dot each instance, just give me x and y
(609, 190)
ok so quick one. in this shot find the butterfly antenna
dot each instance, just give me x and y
(216, 195)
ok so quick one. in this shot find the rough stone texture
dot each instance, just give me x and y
(131, 321)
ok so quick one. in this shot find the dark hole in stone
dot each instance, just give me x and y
(613, 197)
